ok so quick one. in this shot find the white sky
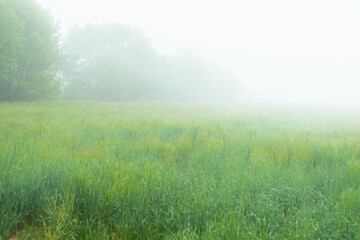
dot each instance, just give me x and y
(282, 50)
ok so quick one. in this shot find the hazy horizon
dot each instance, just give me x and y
(282, 51)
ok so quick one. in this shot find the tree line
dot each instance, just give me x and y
(97, 62)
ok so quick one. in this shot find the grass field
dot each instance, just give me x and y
(178, 171)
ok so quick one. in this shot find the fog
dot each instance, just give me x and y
(281, 51)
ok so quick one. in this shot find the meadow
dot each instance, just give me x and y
(157, 170)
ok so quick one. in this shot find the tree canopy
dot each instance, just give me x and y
(193, 78)
(99, 62)
(112, 62)
(29, 52)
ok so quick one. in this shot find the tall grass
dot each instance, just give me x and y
(175, 171)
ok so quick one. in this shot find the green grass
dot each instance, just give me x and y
(177, 171)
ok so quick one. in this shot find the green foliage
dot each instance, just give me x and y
(29, 52)
(112, 62)
(166, 171)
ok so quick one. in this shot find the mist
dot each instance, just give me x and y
(179, 119)
(280, 51)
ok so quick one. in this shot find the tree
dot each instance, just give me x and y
(29, 52)
(110, 62)
(193, 78)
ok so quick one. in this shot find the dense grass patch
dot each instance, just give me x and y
(175, 171)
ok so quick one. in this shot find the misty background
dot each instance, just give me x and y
(299, 51)
(265, 51)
